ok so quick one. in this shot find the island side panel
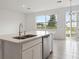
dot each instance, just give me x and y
(12, 50)
(0, 50)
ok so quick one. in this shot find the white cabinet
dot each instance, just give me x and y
(26, 50)
(27, 54)
(33, 53)
(11, 50)
(32, 50)
(37, 51)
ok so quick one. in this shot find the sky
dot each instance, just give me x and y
(74, 23)
(68, 17)
(42, 18)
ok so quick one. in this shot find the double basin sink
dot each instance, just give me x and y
(24, 36)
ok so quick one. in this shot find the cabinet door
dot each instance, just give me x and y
(27, 54)
(37, 51)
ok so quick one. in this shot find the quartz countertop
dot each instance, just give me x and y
(9, 37)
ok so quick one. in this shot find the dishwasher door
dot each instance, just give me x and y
(46, 47)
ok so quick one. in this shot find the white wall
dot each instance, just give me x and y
(9, 21)
(30, 23)
(60, 32)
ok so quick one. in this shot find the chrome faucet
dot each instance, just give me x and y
(20, 29)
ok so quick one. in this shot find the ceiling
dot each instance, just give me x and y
(27, 6)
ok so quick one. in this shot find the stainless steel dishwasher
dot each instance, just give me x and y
(45, 46)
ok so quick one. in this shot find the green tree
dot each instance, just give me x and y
(40, 25)
(52, 22)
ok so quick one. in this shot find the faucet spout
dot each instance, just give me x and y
(20, 29)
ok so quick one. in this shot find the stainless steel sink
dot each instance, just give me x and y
(24, 36)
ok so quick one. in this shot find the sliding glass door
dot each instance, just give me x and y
(77, 28)
(71, 24)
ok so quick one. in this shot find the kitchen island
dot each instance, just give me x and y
(30, 48)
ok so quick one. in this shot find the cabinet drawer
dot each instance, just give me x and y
(31, 43)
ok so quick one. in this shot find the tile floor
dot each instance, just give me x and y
(65, 49)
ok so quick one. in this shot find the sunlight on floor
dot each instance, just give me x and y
(65, 49)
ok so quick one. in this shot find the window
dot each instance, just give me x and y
(46, 22)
